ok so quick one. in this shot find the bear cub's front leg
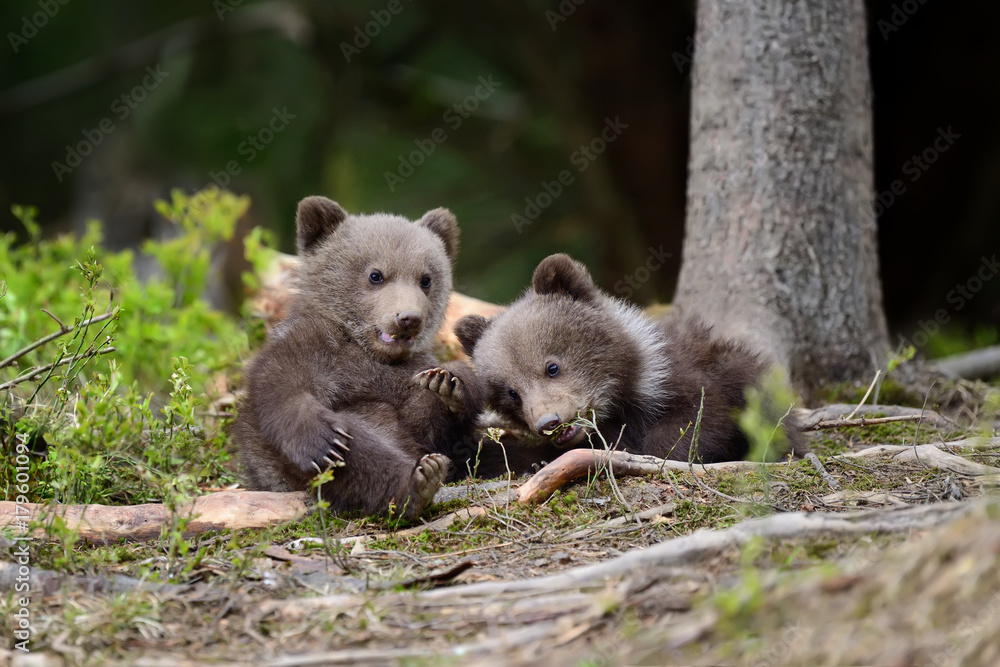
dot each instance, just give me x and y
(317, 442)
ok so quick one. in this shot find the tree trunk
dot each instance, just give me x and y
(780, 242)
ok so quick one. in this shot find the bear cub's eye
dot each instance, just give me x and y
(513, 396)
(376, 278)
(552, 369)
(425, 282)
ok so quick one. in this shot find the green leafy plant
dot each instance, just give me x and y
(761, 420)
(109, 377)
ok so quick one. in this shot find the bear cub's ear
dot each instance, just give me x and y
(316, 218)
(442, 222)
(561, 274)
(469, 330)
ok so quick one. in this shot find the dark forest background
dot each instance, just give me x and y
(555, 72)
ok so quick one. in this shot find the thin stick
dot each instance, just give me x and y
(827, 477)
(61, 324)
(862, 421)
(52, 336)
(878, 374)
(48, 367)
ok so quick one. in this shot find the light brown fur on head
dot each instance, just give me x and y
(557, 353)
(566, 349)
(398, 314)
(348, 377)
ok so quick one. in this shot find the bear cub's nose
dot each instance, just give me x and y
(409, 320)
(547, 423)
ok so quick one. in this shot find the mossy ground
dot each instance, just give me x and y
(216, 579)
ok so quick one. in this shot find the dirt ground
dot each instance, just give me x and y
(876, 559)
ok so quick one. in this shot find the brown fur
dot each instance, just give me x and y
(610, 359)
(328, 365)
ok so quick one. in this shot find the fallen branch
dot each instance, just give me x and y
(873, 497)
(222, 510)
(836, 413)
(830, 480)
(216, 511)
(646, 515)
(980, 363)
(431, 579)
(930, 456)
(577, 463)
(47, 582)
(862, 421)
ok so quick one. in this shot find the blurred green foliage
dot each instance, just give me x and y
(350, 121)
(133, 423)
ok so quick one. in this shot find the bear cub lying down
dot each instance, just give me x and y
(566, 348)
(344, 379)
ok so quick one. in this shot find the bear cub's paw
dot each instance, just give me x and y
(444, 385)
(427, 478)
(324, 449)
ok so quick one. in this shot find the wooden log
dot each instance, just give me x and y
(105, 524)
(579, 462)
(981, 363)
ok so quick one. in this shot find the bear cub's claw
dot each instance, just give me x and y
(444, 385)
(329, 446)
(425, 481)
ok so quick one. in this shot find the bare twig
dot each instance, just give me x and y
(827, 477)
(35, 372)
(922, 408)
(878, 374)
(862, 421)
(65, 329)
(836, 413)
(61, 324)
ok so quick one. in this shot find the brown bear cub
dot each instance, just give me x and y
(344, 380)
(566, 349)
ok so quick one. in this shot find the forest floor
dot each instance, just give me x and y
(879, 559)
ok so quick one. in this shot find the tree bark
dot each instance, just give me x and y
(780, 242)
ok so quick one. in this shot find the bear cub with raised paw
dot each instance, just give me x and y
(565, 349)
(343, 382)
